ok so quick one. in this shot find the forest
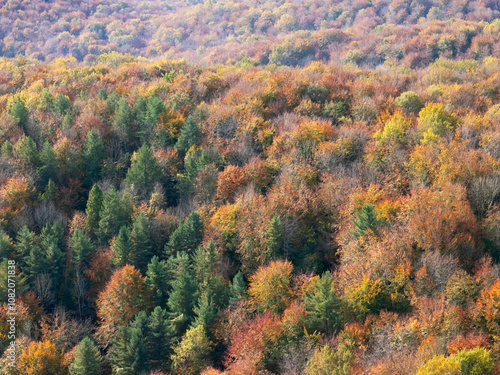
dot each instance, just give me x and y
(317, 195)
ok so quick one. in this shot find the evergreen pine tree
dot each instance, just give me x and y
(53, 258)
(366, 221)
(61, 104)
(323, 306)
(50, 193)
(67, 121)
(18, 111)
(93, 154)
(94, 206)
(181, 300)
(102, 94)
(157, 280)
(129, 352)
(48, 162)
(87, 360)
(27, 152)
(187, 236)
(123, 122)
(82, 248)
(274, 238)
(238, 288)
(25, 242)
(35, 263)
(111, 218)
(5, 245)
(121, 247)
(159, 347)
(154, 109)
(141, 240)
(112, 102)
(144, 171)
(204, 260)
(190, 135)
(205, 310)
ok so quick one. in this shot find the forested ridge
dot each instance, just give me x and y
(332, 212)
(408, 32)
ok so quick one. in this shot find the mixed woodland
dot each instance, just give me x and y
(267, 188)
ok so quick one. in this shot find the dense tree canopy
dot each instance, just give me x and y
(274, 187)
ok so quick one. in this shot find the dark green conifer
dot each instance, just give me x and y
(50, 193)
(27, 152)
(159, 345)
(157, 279)
(94, 206)
(19, 112)
(93, 154)
(121, 247)
(141, 240)
(323, 306)
(190, 135)
(144, 171)
(274, 238)
(238, 288)
(366, 221)
(81, 247)
(87, 360)
(182, 299)
(48, 164)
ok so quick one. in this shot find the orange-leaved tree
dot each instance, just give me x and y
(41, 358)
(270, 286)
(125, 294)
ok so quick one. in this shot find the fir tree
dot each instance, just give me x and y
(182, 299)
(159, 347)
(25, 242)
(18, 111)
(27, 152)
(61, 104)
(366, 221)
(157, 279)
(238, 288)
(48, 169)
(141, 240)
(93, 154)
(187, 236)
(129, 353)
(190, 135)
(5, 245)
(102, 94)
(205, 310)
(82, 247)
(94, 206)
(123, 122)
(50, 193)
(122, 248)
(144, 171)
(53, 258)
(35, 263)
(87, 360)
(112, 102)
(274, 239)
(204, 260)
(111, 216)
(323, 306)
